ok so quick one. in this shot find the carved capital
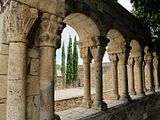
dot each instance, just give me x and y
(86, 55)
(130, 61)
(122, 58)
(113, 58)
(50, 30)
(138, 61)
(147, 56)
(155, 59)
(19, 21)
(97, 52)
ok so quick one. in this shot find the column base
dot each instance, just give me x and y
(151, 91)
(56, 117)
(157, 88)
(100, 105)
(114, 96)
(125, 97)
(86, 103)
(132, 92)
(141, 93)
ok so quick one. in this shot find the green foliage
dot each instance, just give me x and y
(69, 75)
(63, 67)
(148, 11)
(75, 59)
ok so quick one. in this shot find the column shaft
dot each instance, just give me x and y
(131, 80)
(16, 84)
(46, 82)
(87, 84)
(139, 79)
(99, 103)
(115, 95)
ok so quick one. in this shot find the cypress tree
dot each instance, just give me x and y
(75, 60)
(69, 63)
(63, 67)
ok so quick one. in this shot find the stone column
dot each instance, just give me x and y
(98, 53)
(48, 44)
(155, 71)
(113, 59)
(122, 67)
(86, 56)
(138, 75)
(131, 81)
(148, 75)
(20, 20)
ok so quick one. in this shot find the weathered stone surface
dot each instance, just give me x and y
(33, 53)
(34, 67)
(2, 111)
(32, 85)
(4, 49)
(17, 59)
(3, 64)
(33, 104)
(3, 86)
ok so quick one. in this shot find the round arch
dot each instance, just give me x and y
(86, 28)
(117, 41)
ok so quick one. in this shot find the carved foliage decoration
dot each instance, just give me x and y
(97, 52)
(50, 30)
(20, 19)
(85, 54)
(147, 56)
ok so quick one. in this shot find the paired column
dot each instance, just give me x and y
(114, 61)
(138, 75)
(20, 20)
(148, 75)
(98, 53)
(131, 81)
(86, 56)
(122, 67)
(155, 71)
(48, 44)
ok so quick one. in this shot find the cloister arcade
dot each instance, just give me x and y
(30, 35)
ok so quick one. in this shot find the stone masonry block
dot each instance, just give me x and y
(3, 86)
(3, 111)
(33, 53)
(3, 64)
(4, 49)
(32, 85)
(33, 104)
(34, 67)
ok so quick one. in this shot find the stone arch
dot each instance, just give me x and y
(117, 41)
(86, 28)
(135, 46)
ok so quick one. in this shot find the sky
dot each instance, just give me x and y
(70, 31)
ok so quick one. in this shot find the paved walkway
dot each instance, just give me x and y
(70, 93)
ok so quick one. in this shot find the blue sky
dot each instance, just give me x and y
(70, 31)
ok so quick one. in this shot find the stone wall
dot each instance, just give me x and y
(145, 108)
(4, 51)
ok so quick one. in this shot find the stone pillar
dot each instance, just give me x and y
(114, 60)
(138, 75)
(49, 40)
(86, 56)
(131, 83)
(122, 67)
(155, 71)
(148, 75)
(98, 53)
(20, 20)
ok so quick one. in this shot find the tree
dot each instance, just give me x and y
(63, 67)
(75, 59)
(69, 76)
(148, 11)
